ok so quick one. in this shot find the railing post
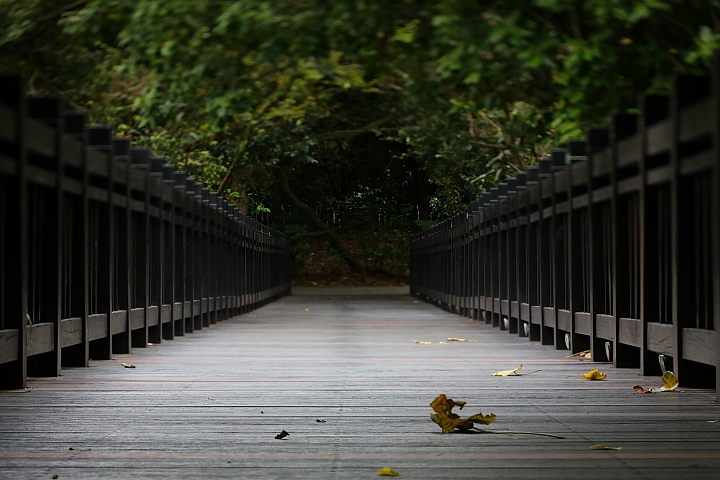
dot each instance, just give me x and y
(13, 235)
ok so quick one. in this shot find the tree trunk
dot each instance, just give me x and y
(284, 185)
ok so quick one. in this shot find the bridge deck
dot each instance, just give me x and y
(210, 404)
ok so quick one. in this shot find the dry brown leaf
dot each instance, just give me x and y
(208, 399)
(453, 339)
(281, 435)
(639, 389)
(320, 421)
(127, 365)
(449, 421)
(422, 343)
(603, 447)
(388, 472)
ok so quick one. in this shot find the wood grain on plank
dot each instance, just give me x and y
(222, 395)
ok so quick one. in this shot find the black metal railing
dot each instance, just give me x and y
(611, 244)
(104, 248)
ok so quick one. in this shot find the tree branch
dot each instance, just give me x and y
(284, 186)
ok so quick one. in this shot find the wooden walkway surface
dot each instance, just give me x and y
(210, 404)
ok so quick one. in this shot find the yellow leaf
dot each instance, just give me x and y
(442, 343)
(584, 353)
(453, 339)
(603, 447)
(422, 343)
(513, 372)
(449, 421)
(505, 373)
(670, 382)
(388, 472)
(595, 375)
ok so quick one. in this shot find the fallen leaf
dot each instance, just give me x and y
(670, 382)
(712, 421)
(603, 447)
(584, 354)
(513, 372)
(639, 389)
(320, 421)
(208, 399)
(591, 375)
(442, 343)
(453, 339)
(150, 344)
(422, 343)
(281, 435)
(595, 375)
(449, 421)
(55, 476)
(127, 365)
(388, 472)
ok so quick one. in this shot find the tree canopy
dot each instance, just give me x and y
(354, 117)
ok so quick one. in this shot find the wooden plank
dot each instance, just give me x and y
(525, 312)
(604, 326)
(137, 318)
(343, 361)
(694, 120)
(564, 320)
(549, 317)
(118, 322)
(166, 313)
(658, 137)
(700, 345)
(153, 313)
(630, 332)
(97, 326)
(514, 309)
(659, 175)
(660, 338)
(536, 314)
(40, 138)
(583, 323)
(71, 331)
(40, 338)
(8, 344)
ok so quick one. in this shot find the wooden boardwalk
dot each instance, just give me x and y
(209, 405)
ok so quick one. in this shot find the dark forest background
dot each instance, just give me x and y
(352, 124)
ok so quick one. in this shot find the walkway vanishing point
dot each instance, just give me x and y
(344, 376)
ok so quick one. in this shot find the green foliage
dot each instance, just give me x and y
(378, 112)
